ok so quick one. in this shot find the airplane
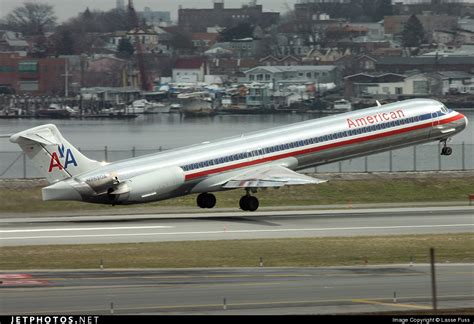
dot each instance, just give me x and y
(263, 159)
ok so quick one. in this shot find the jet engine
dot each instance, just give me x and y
(149, 186)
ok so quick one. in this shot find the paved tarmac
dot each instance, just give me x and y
(64, 229)
(328, 290)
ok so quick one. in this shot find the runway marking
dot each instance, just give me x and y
(81, 229)
(235, 231)
(373, 302)
(24, 282)
(15, 276)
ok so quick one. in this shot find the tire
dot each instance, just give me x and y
(210, 201)
(252, 204)
(243, 203)
(206, 200)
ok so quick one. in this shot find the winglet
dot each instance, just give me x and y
(378, 103)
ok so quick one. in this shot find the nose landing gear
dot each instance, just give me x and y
(446, 150)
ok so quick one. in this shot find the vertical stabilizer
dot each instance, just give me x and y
(52, 154)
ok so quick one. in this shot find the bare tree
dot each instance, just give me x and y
(32, 18)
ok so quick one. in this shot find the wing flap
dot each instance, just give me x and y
(270, 177)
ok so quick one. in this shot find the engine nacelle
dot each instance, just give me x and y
(103, 182)
(153, 185)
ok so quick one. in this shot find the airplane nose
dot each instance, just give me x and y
(464, 120)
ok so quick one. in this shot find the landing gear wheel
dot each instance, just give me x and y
(446, 150)
(249, 203)
(206, 200)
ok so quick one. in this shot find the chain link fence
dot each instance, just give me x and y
(15, 165)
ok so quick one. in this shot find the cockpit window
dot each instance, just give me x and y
(444, 110)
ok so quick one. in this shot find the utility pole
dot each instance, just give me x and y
(66, 78)
(433, 279)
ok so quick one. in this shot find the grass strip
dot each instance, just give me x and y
(434, 189)
(293, 252)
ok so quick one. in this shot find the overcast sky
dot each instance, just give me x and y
(69, 8)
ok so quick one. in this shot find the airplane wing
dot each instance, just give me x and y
(268, 177)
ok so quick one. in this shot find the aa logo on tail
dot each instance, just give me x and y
(55, 161)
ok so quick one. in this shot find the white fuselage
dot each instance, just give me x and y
(204, 167)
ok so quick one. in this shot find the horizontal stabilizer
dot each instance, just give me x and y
(44, 136)
(270, 177)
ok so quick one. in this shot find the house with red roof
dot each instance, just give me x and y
(189, 70)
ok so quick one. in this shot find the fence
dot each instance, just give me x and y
(417, 158)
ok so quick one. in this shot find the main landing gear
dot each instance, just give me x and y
(446, 150)
(206, 200)
(246, 203)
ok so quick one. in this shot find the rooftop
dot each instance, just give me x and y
(294, 68)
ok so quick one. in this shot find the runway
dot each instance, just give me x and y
(234, 225)
(274, 291)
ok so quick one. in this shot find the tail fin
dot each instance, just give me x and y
(53, 155)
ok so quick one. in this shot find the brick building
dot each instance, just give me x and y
(198, 20)
(25, 75)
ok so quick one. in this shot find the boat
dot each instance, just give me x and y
(56, 111)
(143, 106)
(342, 105)
(196, 104)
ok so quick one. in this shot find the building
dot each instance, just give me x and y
(425, 64)
(452, 7)
(147, 37)
(373, 84)
(325, 56)
(243, 48)
(203, 41)
(292, 44)
(29, 76)
(392, 85)
(155, 18)
(300, 74)
(454, 82)
(230, 68)
(286, 60)
(306, 10)
(388, 85)
(198, 20)
(106, 72)
(11, 41)
(394, 25)
(189, 70)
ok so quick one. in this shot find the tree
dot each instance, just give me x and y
(413, 33)
(181, 42)
(32, 18)
(125, 48)
(242, 30)
(64, 41)
(383, 8)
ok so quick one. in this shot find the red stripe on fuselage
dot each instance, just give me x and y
(320, 148)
